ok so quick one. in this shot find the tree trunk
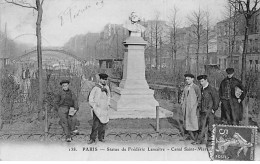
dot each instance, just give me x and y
(188, 59)
(1, 106)
(172, 61)
(198, 50)
(207, 49)
(160, 54)
(39, 55)
(197, 62)
(175, 64)
(243, 71)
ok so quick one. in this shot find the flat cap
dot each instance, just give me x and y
(189, 75)
(64, 81)
(230, 70)
(103, 76)
(202, 77)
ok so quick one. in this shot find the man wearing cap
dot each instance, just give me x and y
(209, 104)
(190, 102)
(65, 101)
(99, 100)
(227, 87)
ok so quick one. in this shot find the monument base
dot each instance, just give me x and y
(139, 114)
(135, 103)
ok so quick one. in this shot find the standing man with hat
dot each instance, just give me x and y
(209, 104)
(99, 100)
(190, 102)
(227, 87)
(66, 102)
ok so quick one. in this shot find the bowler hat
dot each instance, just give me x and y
(240, 86)
(202, 77)
(189, 75)
(230, 70)
(64, 81)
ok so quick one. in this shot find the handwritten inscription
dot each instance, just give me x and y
(76, 10)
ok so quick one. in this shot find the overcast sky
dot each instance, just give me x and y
(61, 21)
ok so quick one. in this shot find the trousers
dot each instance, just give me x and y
(67, 122)
(98, 129)
(226, 111)
(209, 124)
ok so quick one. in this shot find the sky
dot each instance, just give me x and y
(63, 19)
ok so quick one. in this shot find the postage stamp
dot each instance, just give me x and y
(236, 143)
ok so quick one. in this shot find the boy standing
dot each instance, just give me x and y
(209, 104)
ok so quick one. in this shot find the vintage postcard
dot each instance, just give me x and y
(129, 80)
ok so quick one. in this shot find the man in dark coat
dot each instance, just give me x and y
(209, 104)
(227, 87)
(66, 100)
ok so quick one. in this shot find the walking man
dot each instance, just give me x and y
(190, 101)
(99, 100)
(227, 87)
(66, 102)
(209, 104)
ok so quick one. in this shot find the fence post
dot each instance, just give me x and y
(157, 119)
(46, 123)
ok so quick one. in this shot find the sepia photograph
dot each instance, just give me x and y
(129, 80)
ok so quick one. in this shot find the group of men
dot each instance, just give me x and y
(99, 100)
(199, 105)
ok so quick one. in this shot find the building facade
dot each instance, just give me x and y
(230, 38)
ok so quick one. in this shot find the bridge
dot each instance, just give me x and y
(47, 51)
(52, 58)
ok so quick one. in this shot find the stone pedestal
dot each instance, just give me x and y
(133, 98)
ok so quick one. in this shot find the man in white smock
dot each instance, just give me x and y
(99, 100)
(191, 99)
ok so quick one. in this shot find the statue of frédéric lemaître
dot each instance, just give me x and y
(133, 27)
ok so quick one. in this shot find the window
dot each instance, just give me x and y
(108, 64)
(256, 45)
(256, 65)
(258, 23)
(237, 46)
(251, 64)
(250, 46)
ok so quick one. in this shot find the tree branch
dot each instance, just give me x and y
(254, 8)
(42, 2)
(21, 5)
(240, 1)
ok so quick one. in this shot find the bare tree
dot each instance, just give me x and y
(155, 38)
(38, 7)
(197, 19)
(174, 24)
